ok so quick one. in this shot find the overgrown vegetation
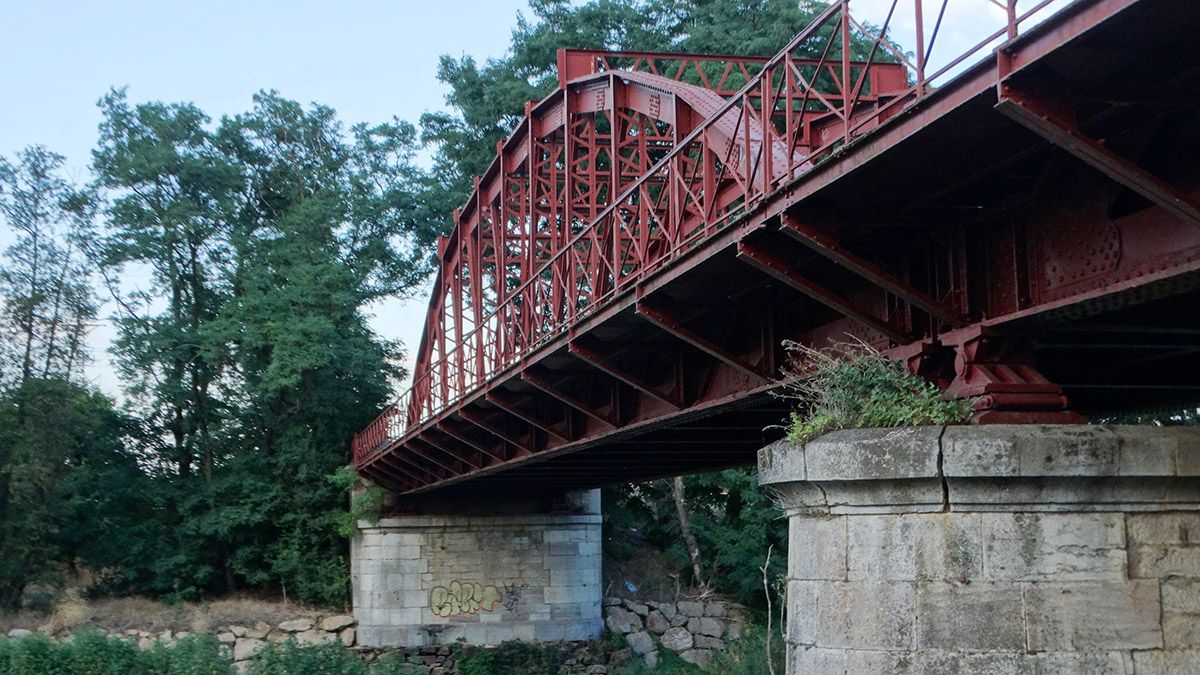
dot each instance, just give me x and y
(91, 653)
(511, 657)
(851, 385)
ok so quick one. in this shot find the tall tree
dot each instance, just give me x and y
(48, 302)
(173, 193)
(329, 225)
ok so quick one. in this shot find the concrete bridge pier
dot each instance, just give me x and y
(997, 549)
(486, 571)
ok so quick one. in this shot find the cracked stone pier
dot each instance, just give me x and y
(993, 548)
(483, 571)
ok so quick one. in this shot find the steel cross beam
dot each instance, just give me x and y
(457, 434)
(1052, 121)
(775, 266)
(826, 244)
(427, 437)
(422, 450)
(596, 360)
(672, 325)
(540, 383)
(509, 406)
(501, 433)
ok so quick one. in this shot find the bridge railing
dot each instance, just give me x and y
(836, 80)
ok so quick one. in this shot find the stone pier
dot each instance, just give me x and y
(992, 549)
(484, 572)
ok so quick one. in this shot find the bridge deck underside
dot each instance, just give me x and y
(962, 198)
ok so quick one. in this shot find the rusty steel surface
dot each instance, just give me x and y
(611, 302)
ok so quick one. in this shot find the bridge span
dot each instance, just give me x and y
(1018, 223)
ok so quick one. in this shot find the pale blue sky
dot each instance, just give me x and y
(368, 59)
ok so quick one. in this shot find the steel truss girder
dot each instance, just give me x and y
(609, 420)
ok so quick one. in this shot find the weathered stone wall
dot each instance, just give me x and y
(992, 549)
(436, 579)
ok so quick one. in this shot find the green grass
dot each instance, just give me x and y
(853, 386)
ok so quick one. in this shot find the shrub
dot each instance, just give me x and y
(91, 653)
(852, 385)
(286, 658)
(513, 656)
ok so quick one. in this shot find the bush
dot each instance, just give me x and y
(91, 653)
(286, 658)
(852, 385)
(513, 656)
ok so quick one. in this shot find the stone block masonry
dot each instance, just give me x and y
(992, 549)
(437, 579)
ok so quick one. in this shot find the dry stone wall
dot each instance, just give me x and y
(694, 629)
(241, 641)
(992, 549)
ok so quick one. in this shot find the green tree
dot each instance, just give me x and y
(47, 299)
(47, 427)
(329, 225)
(172, 194)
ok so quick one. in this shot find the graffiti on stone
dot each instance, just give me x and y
(463, 597)
(512, 595)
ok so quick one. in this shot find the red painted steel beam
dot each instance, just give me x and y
(1049, 120)
(429, 453)
(509, 406)
(445, 427)
(661, 318)
(774, 266)
(826, 243)
(557, 393)
(498, 431)
(396, 459)
(427, 437)
(597, 361)
(393, 475)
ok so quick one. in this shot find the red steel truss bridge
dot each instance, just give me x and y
(1016, 220)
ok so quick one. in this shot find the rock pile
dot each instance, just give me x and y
(692, 629)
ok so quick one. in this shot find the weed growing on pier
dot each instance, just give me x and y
(852, 385)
